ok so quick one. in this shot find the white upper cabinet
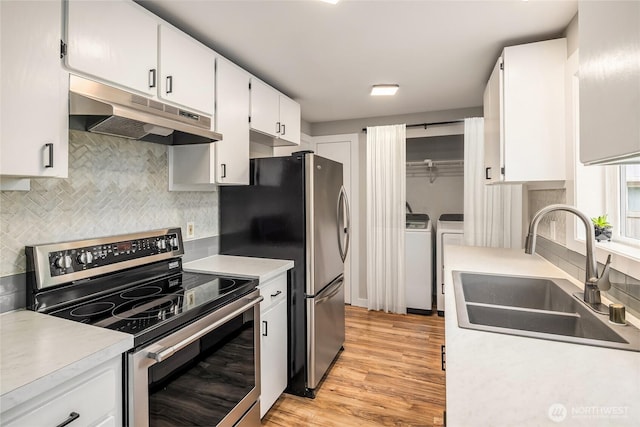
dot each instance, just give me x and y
(274, 115)
(121, 43)
(525, 114)
(201, 167)
(186, 71)
(265, 108)
(115, 41)
(290, 120)
(609, 79)
(493, 124)
(34, 96)
(232, 118)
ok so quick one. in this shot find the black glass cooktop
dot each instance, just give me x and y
(151, 309)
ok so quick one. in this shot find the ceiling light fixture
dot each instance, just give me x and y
(331, 1)
(384, 90)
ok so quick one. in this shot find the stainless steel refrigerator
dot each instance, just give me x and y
(296, 208)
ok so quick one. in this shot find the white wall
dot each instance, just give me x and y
(446, 193)
(356, 125)
(444, 196)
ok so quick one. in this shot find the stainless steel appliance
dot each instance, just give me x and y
(100, 108)
(196, 336)
(296, 208)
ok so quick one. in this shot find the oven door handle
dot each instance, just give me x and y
(165, 353)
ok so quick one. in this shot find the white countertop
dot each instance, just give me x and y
(39, 352)
(253, 268)
(505, 380)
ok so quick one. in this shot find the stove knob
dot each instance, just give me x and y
(161, 244)
(63, 261)
(85, 258)
(173, 242)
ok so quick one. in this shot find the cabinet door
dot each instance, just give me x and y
(92, 398)
(493, 125)
(115, 41)
(232, 118)
(290, 120)
(609, 82)
(265, 108)
(187, 71)
(273, 355)
(533, 111)
(34, 91)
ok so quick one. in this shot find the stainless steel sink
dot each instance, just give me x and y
(525, 292)
(534, 307)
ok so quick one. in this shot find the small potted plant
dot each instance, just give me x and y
(602, 228)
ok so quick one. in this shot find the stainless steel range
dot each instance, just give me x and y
(196, 355)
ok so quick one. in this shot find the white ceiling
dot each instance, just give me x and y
(327, 56)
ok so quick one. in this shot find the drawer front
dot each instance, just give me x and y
(273, 291)
(86, 404)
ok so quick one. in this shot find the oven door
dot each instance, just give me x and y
(204, 374)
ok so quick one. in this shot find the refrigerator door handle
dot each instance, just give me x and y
(344, 223)
(331, 291)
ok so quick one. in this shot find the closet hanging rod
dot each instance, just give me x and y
(425, 125)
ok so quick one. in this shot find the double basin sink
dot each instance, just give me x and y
(535, 307)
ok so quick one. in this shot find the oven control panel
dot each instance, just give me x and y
(82, 258)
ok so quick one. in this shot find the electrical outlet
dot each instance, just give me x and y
(191, 230)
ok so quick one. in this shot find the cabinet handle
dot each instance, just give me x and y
(276, 294)
(152, 78)
(443, 358)
(224, 170)
(49, 147)
(278, 127)
(266, 328)
(284, 129)
(487, 173)
(169, 84)
(72, 417)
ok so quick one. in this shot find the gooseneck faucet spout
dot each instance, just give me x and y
(593, 285)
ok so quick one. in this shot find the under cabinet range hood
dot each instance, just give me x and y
(99, 108)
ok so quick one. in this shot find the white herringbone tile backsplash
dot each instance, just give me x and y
(115, 186)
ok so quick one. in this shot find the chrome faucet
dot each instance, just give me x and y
(592, 285)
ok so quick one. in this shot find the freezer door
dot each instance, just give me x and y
(325, 330)
(325, 205)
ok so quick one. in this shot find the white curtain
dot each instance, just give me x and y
(492, 213)
(386, 198)
(474, 187)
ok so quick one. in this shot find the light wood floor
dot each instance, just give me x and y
(389, 374)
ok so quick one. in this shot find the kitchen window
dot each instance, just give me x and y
(630, 202)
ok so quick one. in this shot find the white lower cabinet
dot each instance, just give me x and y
(273, 344)
(93, 398)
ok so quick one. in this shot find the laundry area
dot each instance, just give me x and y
(434, 211)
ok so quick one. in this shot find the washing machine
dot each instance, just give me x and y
(448, 232)
(419, 253)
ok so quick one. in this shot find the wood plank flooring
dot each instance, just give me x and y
(389, 374)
